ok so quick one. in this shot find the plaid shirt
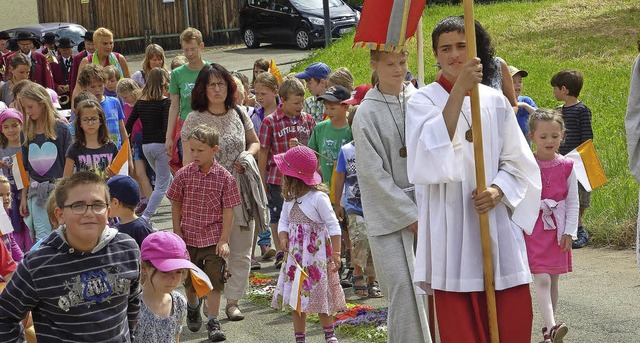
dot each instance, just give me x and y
(314, 107)
(203, 197)
(276, 131)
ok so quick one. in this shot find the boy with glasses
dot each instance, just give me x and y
(82, 284)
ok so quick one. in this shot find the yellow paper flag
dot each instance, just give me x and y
(587, 167)
(273, 69)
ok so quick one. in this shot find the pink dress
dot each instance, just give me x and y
(544, 253)
(310, 246)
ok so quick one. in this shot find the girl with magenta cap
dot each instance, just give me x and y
(163, 310)
(309, 231)
(11, 121)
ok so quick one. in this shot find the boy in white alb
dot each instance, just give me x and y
(441, 165)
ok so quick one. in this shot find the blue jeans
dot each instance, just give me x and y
(37, 220)
(264, 238)
(159, 162)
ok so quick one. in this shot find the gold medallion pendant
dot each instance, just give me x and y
(468, 135)
(403, 152)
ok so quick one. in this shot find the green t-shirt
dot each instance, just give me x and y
(182, 82)
(328, 140)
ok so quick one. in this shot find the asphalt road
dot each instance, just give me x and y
(599, 301)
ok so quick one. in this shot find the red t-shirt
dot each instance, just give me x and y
(7, 264)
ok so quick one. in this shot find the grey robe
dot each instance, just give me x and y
(388, 204)
(632, 126)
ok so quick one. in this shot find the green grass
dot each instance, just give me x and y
(597, 37)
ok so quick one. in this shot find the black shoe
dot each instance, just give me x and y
(214, 329)
(194, 318)
(583, 238)
(346, 282)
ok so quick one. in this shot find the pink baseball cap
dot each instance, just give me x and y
(166, 251)
(54, 98)
(299, 162)
(9, 113)
(358, 95)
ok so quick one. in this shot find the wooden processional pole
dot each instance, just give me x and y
(476, 127)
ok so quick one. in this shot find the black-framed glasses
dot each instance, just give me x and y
(91, 120)
(81, 208)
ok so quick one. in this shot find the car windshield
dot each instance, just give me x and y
(76, 34)
(306, 5)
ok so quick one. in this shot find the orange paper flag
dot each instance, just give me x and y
(296, 288)
(19, 173)
(201, 282)
(120, 164)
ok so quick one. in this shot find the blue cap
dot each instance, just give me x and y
(125, 189)
(317, 70)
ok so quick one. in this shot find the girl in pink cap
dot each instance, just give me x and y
(11, 121)
(163, 310)
(309, 231)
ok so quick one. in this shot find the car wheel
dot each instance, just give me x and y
(250, 39)
(303, 41)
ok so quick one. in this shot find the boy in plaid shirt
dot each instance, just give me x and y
(287, 127)
(203, 195)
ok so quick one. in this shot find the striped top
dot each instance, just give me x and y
(75, 296)
(577, 123)
(153, 115)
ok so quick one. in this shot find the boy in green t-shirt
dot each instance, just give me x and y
(182, 81)
(330, 135)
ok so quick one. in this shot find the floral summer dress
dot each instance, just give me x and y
(310, 246)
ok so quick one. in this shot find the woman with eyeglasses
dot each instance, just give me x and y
(212, 102)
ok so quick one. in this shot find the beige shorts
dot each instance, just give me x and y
(360, 251)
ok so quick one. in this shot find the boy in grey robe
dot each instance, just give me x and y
(388, 199)
(632, 126)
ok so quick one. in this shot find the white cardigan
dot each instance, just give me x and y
(317, 207)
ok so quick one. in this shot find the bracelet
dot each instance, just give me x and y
(336, 253)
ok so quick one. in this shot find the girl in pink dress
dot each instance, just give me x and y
(309, 231)
(549, 246)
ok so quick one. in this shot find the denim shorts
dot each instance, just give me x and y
(138, 155)
(274, 195)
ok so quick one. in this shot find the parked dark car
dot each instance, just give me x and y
(75, 32)
(298, 22)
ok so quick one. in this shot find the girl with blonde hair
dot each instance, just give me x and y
(46, 140)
